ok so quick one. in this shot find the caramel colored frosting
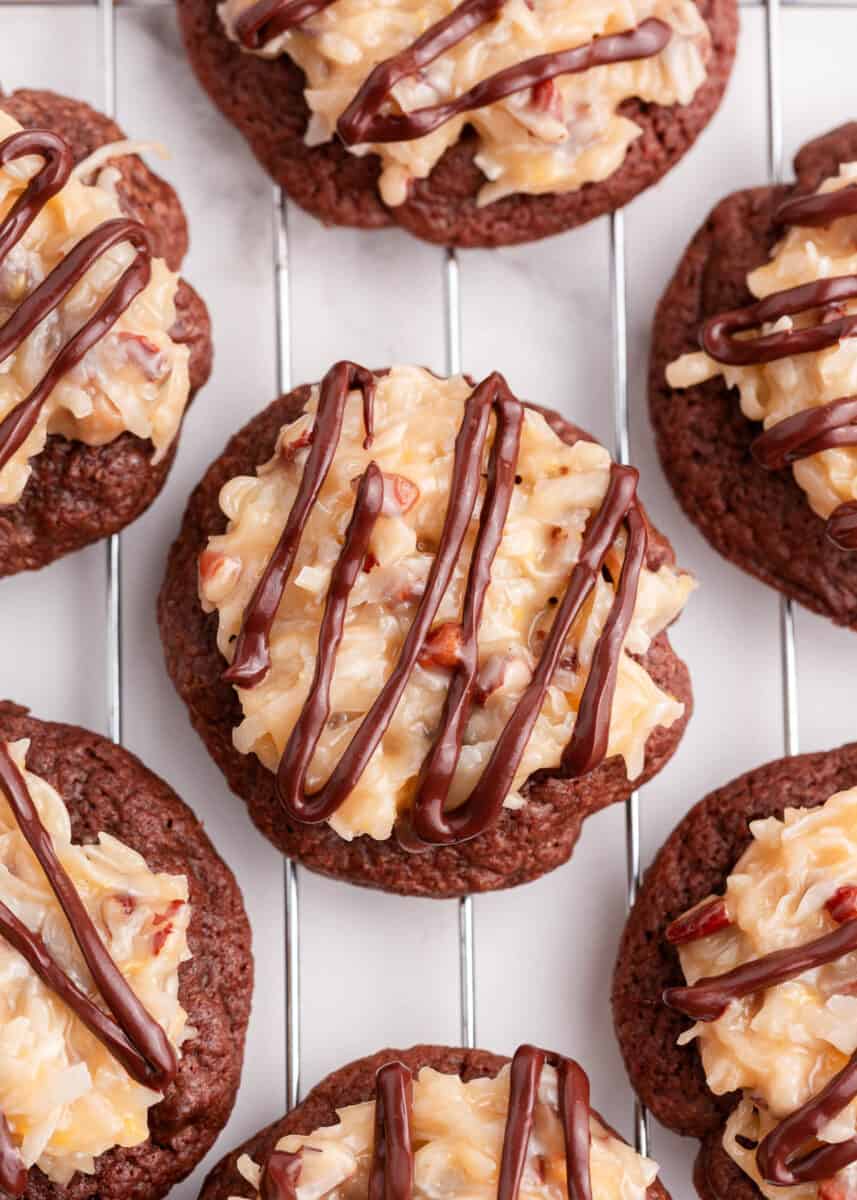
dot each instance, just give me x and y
(553, 137)
(558, 487)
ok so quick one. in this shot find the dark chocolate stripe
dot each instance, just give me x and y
(718, 333)
(391, 1176)
(808, 432)
(312, 719)
(817, 210)
(32, 948)
(574, 1112)
(709, 998)
(136, 1040)
(524, 1076)
(155, 1062)
(267, 19)
(464, 491)
(818, 429)
(587, 747)
(777, 1156)
(592, 727)
(811, 432)
(52, 177)
(440, 765)
(363, 121)
(252, 659)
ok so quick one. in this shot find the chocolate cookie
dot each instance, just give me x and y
(518, 846)
(694, 863)
(107, 790)
(758, 518)
(354, 1084)
(265, 99)
(79, 493)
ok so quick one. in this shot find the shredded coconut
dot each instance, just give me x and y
(417, 417)
(780, 1047)
(457, 1130)
(551, 139)
(773, 391)
(66, 1099)
(136, 378)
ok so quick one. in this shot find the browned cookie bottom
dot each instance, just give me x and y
(78, 494)
(760, 520)
(354, 1084)
(695, 861)
(108, 790)
(264, 99)
(521, 846)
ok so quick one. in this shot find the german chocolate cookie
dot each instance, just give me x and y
(75, 466)
(428, 1085)
(122, 1023)
(758, 442)
(774, 1051)
(540, 148)
(487, 719)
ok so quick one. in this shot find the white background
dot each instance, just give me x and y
(382, 970)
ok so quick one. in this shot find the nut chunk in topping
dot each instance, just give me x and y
(134, 378)
(556, 490)
(65, 1098)
(553, 137)
(457, 1133)
(789, 392)
(781, 1045)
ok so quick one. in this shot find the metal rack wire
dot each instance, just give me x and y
(106, 44)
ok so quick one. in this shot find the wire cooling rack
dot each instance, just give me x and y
(448, 262)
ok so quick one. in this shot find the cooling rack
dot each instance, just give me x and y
(103, 15)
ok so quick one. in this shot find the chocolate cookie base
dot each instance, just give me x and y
(354, 1084)
(759, 520)
(78, 494)
(108, 790)
(264, 99)
(694, 862)
(521, 846)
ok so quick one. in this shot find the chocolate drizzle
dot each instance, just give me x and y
(718, 333)
(252, 659)
(818, 210)
(574, 1112)
(808, 432)
(57, 162)
(588, 744)
(363, 119)
(813, 431)
(816, 429)
(708, 999)
(267, 19)
(391, 1174)
(132, 1036)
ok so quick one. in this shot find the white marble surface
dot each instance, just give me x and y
(376, 969)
